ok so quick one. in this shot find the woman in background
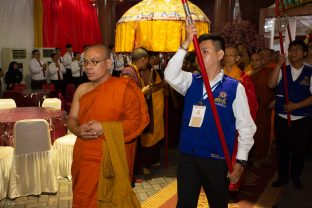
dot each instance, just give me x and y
(13, 75)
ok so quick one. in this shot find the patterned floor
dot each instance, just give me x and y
(158, 179)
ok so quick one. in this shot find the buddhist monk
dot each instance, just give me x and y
(259, 76)
(269, 58)
(151, 140)
(104, 98)
(231, 58)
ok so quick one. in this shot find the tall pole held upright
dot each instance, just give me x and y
(277, 13)
(209, 92)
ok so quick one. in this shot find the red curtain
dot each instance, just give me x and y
(70, 21)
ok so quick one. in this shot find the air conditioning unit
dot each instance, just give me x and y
(19, 55)
(45, 54)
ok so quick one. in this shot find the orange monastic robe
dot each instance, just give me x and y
(235, 72)
(117, 99)
(265, 96)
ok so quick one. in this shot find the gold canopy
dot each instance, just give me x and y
(157, 25)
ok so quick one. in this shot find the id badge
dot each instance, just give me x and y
(197, 116)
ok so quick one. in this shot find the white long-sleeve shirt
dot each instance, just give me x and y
(53, 71)
(295, 73)
(67, 60)
(181, 81)
(75, 69)
(36, 70)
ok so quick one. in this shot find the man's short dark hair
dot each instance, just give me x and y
(68, 45)
(34, 51)
(53, 54)
(217, 40)
(76, 53)
(299, 43)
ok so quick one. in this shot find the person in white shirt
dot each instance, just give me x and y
(85, 47)
(120, 61)
(84, 76)
(76, 70)
(57, 71)
(67, 60)
(292, 135)
(201, 161)
(59, 53)
(37, 68)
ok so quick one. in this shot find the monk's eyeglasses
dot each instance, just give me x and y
(86, 62)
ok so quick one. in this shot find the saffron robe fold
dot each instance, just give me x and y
(265, 96)
(115, 189)
(150, 139)
(116, 99)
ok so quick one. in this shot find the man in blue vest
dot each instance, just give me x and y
(201, 161)
(291, 141)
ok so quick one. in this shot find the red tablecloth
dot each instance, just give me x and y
(8, 117)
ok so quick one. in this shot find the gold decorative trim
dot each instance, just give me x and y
(267, 198)
(161, 196)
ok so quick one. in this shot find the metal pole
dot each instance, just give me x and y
(209, 93)
(277, 13)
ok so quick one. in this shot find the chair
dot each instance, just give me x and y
(7, 103)
(6, 156)
(63, 155)
(65, 104)
(32, 169)
(47, 86)
(69, 92)
(52, 103)
(19, 87)
(16, 96)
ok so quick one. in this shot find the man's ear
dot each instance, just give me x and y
(108, 63)
(220, 55)
(237, 58)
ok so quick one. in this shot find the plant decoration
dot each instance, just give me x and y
(240, 32)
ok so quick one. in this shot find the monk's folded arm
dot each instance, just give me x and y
(73, 126)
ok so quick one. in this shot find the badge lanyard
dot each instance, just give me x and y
(201, 102)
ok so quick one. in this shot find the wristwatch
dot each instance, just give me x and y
(243, 163)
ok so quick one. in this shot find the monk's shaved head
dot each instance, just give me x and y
(101, 49)
(233, 49)
(139, 53)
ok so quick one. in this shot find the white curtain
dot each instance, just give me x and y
(16, 25)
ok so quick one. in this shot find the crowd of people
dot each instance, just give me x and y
(62, 70)
(121, 97)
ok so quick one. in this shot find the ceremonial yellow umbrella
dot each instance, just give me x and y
(157, 25)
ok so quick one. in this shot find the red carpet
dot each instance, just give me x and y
(255, 192)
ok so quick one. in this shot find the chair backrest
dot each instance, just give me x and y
(69, 92)
(52, 103)
(16, 96)
(31, 135)
(7, 103)
(47, 86)
(19, 87)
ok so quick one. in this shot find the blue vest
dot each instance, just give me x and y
(204, 141)
(297, 91)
